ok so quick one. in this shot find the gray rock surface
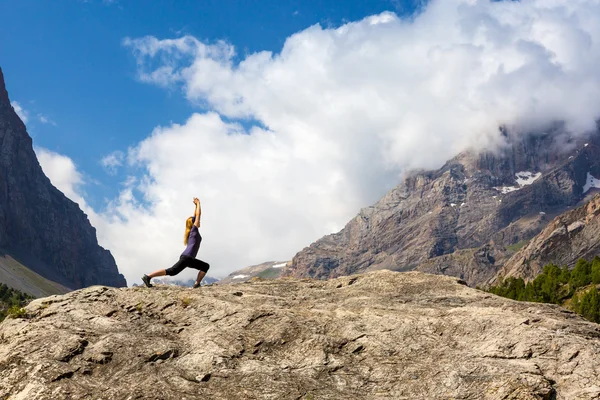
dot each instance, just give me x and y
(567, 238)
(40, 227)
(381, 335)
(468, 203)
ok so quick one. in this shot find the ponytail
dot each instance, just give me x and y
(188, 228)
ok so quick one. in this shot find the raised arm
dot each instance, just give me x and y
(197, 213)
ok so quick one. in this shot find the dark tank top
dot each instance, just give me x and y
(193, 243)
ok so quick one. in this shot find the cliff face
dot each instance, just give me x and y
(568, 237)
(474, 266)
(472, 201)
(39, 226)
(381, 335)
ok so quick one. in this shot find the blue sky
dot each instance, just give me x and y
(348, 97)
(64, 60)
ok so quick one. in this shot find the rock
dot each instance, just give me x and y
(567, 238)
(473, 265)
(63, 248)
(474, 201)
(382, 335)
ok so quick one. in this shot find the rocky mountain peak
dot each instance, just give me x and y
(3, 93)
(496, 198)
(40, 228)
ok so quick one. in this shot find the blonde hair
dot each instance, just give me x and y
(188, 228)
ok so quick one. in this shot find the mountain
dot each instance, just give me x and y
(17, 276)
(474, 266)
(208, 280)
(475, 200)
(567, 238)
(379, 335)
(40, 228)
(267, 270)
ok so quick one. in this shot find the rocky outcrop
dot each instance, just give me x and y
(39, 226)
(267, 270)
(471, 201)
(474, 266)
(567, 238)
(381, 335)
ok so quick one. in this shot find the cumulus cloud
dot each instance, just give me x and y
(341, 113)
(21, 112)
(112, 161)
(425, 88)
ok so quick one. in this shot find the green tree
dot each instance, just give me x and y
(595, 275)
(581, 274)
(530, 293)
(565, 275)
(555, 285)
(591, 305)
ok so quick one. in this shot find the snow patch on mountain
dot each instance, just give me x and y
(508, 189)
(591, 182)
(523, 178)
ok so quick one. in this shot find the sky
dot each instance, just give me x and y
(284, 117)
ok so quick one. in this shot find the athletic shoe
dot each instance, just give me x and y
(196, 286)
(146, 280)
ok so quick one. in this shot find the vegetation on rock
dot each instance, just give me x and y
(575, 289)
(11, 301)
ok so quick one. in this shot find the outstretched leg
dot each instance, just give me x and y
(202, 267)
(174, 270)
(160, 272)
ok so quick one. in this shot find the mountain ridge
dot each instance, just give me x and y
(39, 226)
(472, 201)
(567, 238)
(268, 269)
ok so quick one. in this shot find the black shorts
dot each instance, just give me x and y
(187, 261)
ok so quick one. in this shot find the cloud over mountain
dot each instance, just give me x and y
(295, 142)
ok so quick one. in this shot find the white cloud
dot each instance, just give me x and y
(418, 91)
(347, 110)
(45, 120)
(62, 172)
(24, 114)
(112, 161)
(21, 112)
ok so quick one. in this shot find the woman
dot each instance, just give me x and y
(192, 241)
